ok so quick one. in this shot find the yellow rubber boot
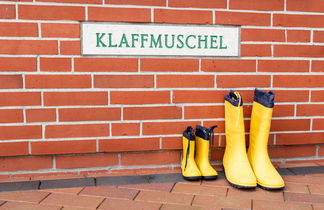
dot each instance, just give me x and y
(189, 167)
(237, 168)
(267, 176)
(203, 135)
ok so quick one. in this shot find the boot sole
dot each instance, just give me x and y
(192, 178)
(209, 177)
(240, 186)
(271, 188)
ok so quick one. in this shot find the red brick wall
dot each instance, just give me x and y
(62, 111)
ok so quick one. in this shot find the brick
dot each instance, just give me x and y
(283, 66)
(18, 29)
(298, 36)
(20, 132)
(72, 200)
(82, 130)
(20, 99)
(73, 1)
(125, 204)
(178, 207)
(318, 124)
(125, 129)
(32, 47)
(119, 14)
(228, 65)
(232, 81)
(219, 123)
(11, 115)
(11, 82)
(164, 197)
(60, 30)
(25, 163)
(63, 147)
(40, 115)
(105, 64)
(125, 145)
(55, 64)
(124, 81)
(290, 125)
(110, 192)
(168, 64)
(298, 51)
(139, 97)
(321, 151)
(199, 189)
(23, 205)
(318, 36)
(41, 12)
(292, 151)
(57, 81)
(291, 95)
(242, 18)
(89, 114)
(283, 111)
(198, 4)
(183, 16)
(255, 50)
(264, 35)
(165, 128)
(268, 205)
(137, 2)
(150, 158)
(24, 196)
(198, 96)
(221, 202)
(310, 109)
(84, 161)
(18, 64)
(216, 154)
(257, 194)
(299, 138)
(70, 48)
(277, 5)
(152, 113)
(317, 66)
(171, 143)
(7, 11)
(166, 187)
(288, 20)
(201, 112)
(317, 96)
(295, 187)
(316, 189)
(304, 198)
(13, 148)
(298, 81)
(181, 81)
(309, 6)
(75, 98)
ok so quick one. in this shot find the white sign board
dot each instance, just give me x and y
(159, 39)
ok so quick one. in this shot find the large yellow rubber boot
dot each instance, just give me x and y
(203, 135)
(267, 176)
(237, 168)
(189, 167)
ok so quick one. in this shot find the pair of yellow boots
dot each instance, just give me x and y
(246, 169)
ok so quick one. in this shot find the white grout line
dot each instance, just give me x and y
(86, 12)
(214, 17)
(152, 15)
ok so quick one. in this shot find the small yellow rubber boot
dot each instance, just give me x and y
(267, 176)
(189, 167)
(203, 135)
(236, 164)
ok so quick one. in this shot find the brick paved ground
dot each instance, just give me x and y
(301, 192)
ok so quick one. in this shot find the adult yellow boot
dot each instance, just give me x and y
(237, 168)
(267, 176)
(189, 167)
(203, 135)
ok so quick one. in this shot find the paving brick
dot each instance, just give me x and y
(26, 196)
(110, 192)
(128, 204)
(318, 207)
(279, 205)
(72, 200)
(257, 193)
(221, 202)
(217, 182)
(180, 207)
(303, 197)
(74, 190)
(164, 197)
(316, 189)
(27, 206)
(296, 187)
(304, 179)
(199, 189)
(150, 187)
